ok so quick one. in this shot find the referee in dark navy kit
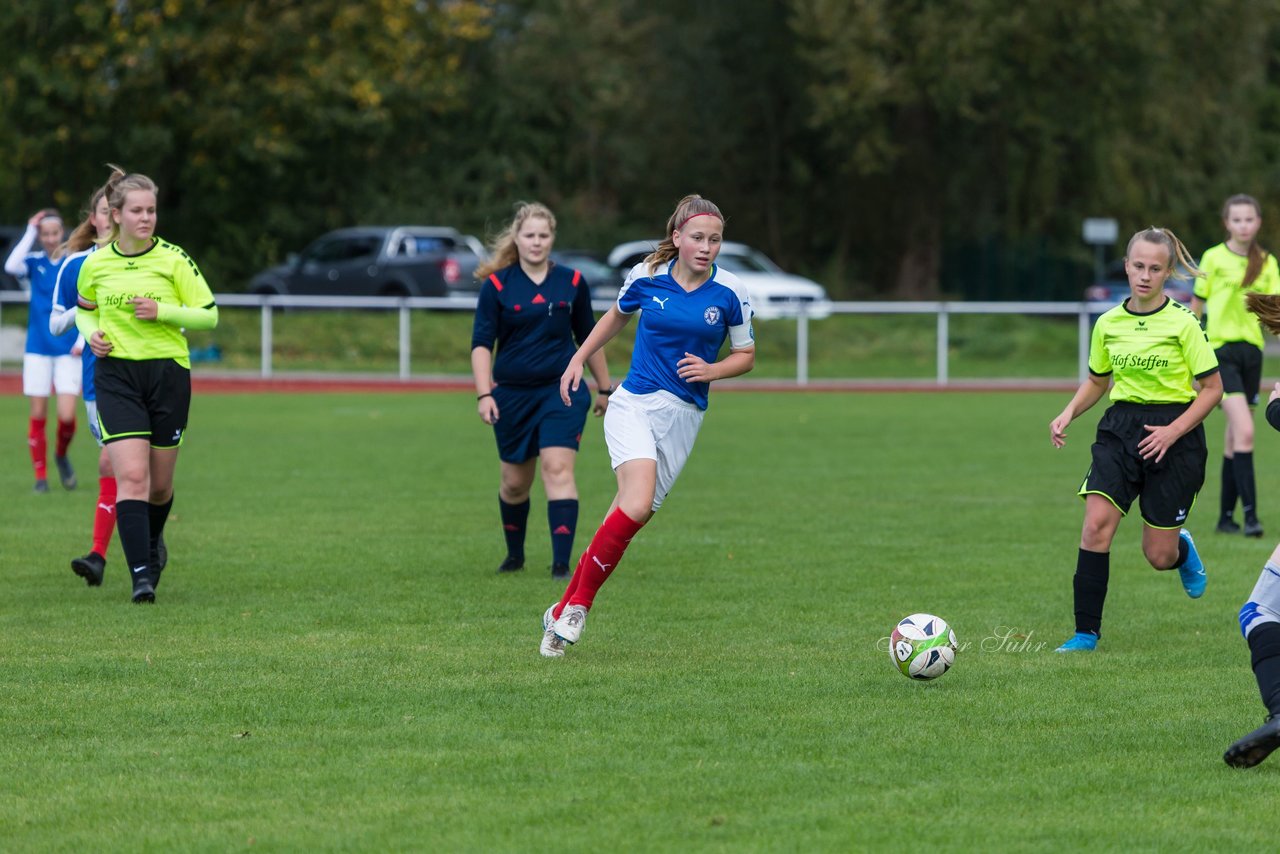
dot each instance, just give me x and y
(1150, 444)
(537, 313)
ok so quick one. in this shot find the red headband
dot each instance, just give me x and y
(691, 216)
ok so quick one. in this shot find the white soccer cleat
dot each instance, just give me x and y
(569, 627)
(551, 646)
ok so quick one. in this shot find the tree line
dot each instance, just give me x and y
(901, 148)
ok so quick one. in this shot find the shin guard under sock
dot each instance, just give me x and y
(1093, 571)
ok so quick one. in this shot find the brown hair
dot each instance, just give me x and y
(1257, 255)
(119, 185)
(1177, 252)
(687, 208)
(1267, 307)
(86, 233)
(502, 248)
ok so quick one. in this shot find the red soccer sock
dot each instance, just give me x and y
(104, 518)
(66, 429)
(599, 560)
(39, 447)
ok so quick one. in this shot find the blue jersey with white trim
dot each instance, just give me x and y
(43, 275)
(64, 301)
(674, 322)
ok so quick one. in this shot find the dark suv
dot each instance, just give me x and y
(403, 261)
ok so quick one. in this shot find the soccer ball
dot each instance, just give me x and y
(922, 646)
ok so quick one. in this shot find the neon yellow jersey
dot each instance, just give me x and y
(1152, 357)
(1226, 318)
(109, 280)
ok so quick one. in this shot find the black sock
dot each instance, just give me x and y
(1093, 569)
(1245, 484)
(134, 524)
(514, 519)
(1264, 646)
(158, 515)
(562, 517)
(1184, 551)
(1229, 491)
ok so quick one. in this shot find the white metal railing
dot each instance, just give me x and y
(405, 306)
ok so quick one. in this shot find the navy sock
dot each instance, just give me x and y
(133, 521)
(1246, 484)
(1264, 648)
(1093, 571)
(1229, 492)
(515, 518)
(158, 514)
(562, 517)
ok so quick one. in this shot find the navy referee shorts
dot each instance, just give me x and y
(531, 418)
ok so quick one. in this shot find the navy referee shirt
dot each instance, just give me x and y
(537, 328)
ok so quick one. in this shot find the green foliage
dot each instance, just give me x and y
(874, 143)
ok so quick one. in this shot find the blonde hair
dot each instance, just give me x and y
(1257, 255)
(1177, 252)
(119, 185)
(687, 208)
(86, 233)
(502, 248)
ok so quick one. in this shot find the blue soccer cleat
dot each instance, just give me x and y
(1080, 642)
(1192, 571)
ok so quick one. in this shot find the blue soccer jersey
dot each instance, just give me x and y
(674, 322)
(64, 300)
(43, 276)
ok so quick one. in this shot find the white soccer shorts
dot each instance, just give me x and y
(91, 410)
(658, 426)
(45, 375)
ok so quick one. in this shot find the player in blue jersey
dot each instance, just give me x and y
(48, 364)
(94, 229)
(535, 311)
(1260, 615)
(688, 307)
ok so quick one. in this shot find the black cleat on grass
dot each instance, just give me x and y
(65, 472)
(90, 568)
(1252, 528)
(560, 571)
(1256, 746)
(144, 593)
(511, 564)
(1228, 526)
(41, 486)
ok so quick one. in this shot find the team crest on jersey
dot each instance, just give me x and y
(712, 315)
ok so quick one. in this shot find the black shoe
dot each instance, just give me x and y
(42, 485)
(1256, 746)
(90, 568)
(159, 560)
(511, 564)
(1252, 528)
(560, 570)
(1228, 526)
(144, 593)
(65, 473)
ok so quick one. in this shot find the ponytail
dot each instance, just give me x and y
(86, 233)
(1267, 307)
(1257, 255)
(688, 207)
(1177, 252)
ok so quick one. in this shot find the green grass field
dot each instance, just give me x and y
(334, 665)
